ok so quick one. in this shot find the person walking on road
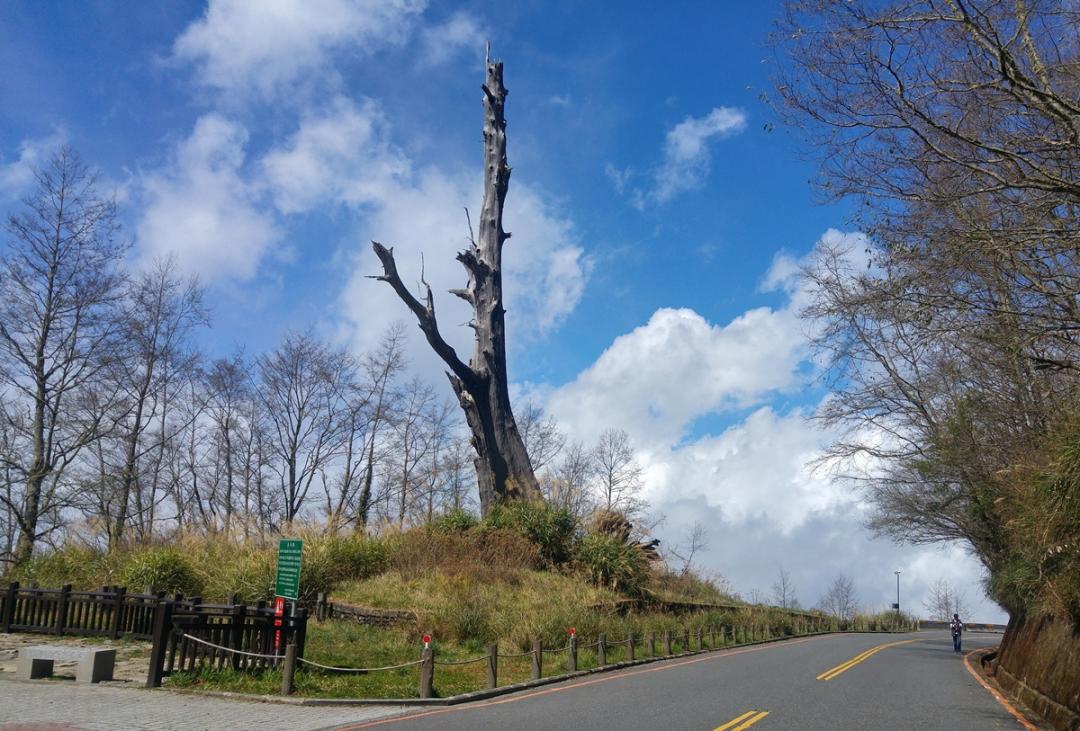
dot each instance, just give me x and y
(956, 627)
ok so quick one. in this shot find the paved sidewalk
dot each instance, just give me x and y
(64, 706)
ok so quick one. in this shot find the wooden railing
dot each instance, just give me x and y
(106, 612)
(187, 635)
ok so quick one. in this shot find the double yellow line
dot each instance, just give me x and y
(845, 666)
(744, 721)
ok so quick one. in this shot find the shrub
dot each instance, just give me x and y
(454, 521)
(328, 560)
(552, 529)
(161, 569)
(612, 563)
(81, 566)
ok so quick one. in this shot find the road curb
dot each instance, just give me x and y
(480, 695)
(1027, 718)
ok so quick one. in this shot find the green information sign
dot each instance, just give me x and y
(287, 583)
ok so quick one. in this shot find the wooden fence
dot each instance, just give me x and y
(187, 635)
(107, 612)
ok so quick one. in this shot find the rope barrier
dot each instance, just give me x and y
(461, 662)
(520, 654)
(561, 649)
(359, 670)
(201, 641)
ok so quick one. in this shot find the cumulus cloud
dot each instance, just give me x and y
(686, 151)
(17, 176)
(753, 482)
(242, 47)
(656, 380)
(340, 154)
(202, 210)
(461, 33)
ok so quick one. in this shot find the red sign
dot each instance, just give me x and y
(571, 631)
(427, 640)
(279, 612)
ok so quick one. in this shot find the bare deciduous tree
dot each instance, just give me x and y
(503, 469)
(541, 434)
(783, 590)
(840, 600)
(943, 600)
(158, 314)
(567, 484)
(60, 282)
(618, 474)
(300, 384)
(695, 541)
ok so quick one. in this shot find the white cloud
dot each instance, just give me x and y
(619, 177)
(758, 468)
(686, 151)
(460, 34)
(656, 380)
(201, 210)
(340, 155)
(17, 176)
(268, 47)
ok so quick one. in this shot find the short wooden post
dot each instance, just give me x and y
(493, 666)
(239, 619)
(650, 639)
(630, 647)
(61, 609)
(699, 646)
(573, 654)
(601, 649)
(427, 672)
(712, 638)
(320, 606)
(162, 631)
(9, 606)
(537, 659)
(686, 639)
(118, 612)
(667, 642)
(288, 668)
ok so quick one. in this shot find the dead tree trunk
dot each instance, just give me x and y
(503, 469)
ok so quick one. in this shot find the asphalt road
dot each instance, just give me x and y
(918, 684)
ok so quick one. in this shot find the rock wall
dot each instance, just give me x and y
(1039, 663)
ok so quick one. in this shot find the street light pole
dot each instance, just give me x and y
(897, 572)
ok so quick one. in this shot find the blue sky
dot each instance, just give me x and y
(656, 214)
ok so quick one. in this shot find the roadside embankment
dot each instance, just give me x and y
(1039, 664)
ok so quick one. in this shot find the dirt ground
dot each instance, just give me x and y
(132, 657)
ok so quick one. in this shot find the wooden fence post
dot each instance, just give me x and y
(686, 639)
(61, 609)
(601, 649)
(10, 598)
(630, 647)
(712, 638)
(699, 647)
(650, 640)
(288, 668)
(493, 666)
(427, 672)
(118, 612)
(667, 642)
(162, 631)
(239, 619)
(573, 653)
(537, 658)
(320, 606)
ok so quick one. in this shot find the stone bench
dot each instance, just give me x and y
(93, 664)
